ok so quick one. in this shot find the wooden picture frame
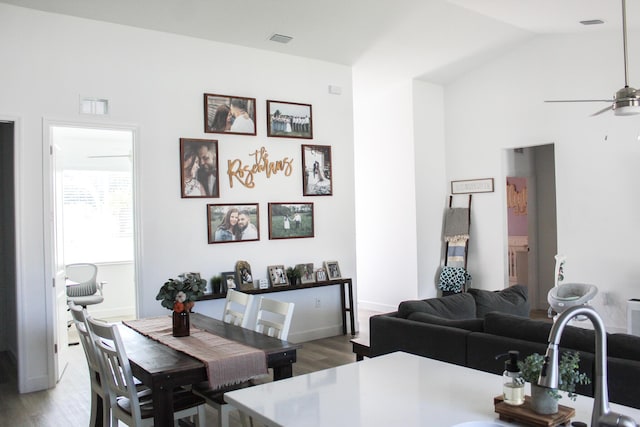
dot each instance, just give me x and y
(289, 120)
(468, 186)
(333, 270)
(228, 281)
(236, 223)
(316, 170)
(290, 220)
(229, 114)
(277, 276)
(199, 168)
(244, 277)
(307, 274)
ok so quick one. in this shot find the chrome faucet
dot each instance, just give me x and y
(549, 375)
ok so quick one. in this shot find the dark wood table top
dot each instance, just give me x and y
(162, 368)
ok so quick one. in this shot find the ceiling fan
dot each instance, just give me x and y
(626, 101)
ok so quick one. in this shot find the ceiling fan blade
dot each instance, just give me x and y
(604, 110)
(115, 155)
(581, 100)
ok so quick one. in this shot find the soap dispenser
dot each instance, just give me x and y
(513, 383)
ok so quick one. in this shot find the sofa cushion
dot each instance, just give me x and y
(458, 306)
(507, 325)
(624, 346)
(512, 300)
(518, 327)
(474, 325)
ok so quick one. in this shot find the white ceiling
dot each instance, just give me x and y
(432, 39)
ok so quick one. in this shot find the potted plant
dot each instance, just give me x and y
(545, 400)
(216, 284)
(180, 295)
(293, 274)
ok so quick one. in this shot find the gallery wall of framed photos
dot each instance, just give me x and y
(288, 165)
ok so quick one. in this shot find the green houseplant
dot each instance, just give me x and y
(570, 376)
(180, 294)
(293, 274)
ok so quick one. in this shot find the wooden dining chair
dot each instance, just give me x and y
(274, 318)
(98, 388)
(236, 308)
(133, 407)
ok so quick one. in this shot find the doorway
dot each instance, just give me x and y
(92, 202)
(531, 220)
(8, 280)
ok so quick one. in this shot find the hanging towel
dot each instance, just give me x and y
(456, 225)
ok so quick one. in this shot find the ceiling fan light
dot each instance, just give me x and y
(626, 107)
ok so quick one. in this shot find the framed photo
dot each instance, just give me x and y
(229, 114)
(307, 275)
(278, 275)
(333, 270)
(290, 220)
(468, 186)
(316, 170)
(233, 223)
(244, 278)
(199, 168)
(321, 275)
(289, 120)
(228, 281)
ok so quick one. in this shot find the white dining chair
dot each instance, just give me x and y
(274, 318)
(98, 388)
(133, 407)
(236, 308)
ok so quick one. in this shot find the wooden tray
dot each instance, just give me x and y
(525, 415)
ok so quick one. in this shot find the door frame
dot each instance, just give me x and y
(49, 204)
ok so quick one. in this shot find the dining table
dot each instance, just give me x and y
(162, 369)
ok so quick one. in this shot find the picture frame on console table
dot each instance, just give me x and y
(278, 276)
(307, 275)
(316, 170)
(333, 270)
(289, 120)
(321, 275)
(228, 281)
(229, 114)
(290, 220)
(243, 276)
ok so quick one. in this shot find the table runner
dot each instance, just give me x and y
(227, 362)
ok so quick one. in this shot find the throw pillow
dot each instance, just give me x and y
(458, 306)
(473, 325)
(512, 300)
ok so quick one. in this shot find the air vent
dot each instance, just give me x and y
(280, 38)
(592, 22)
(94, 106)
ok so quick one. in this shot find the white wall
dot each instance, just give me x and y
(156, 81)
(501, 105)
(399, 131)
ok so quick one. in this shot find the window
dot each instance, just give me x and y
(98, 216)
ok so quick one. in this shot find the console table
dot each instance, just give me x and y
(346, 297)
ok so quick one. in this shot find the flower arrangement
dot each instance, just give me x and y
(180, 294)
(568, 368)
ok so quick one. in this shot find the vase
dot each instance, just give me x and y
(181, 324)
(542, 402)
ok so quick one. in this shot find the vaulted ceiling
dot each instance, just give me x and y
(436, 40)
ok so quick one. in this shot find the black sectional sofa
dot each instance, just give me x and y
(472, 328)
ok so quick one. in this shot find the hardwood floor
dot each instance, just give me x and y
(68, 404)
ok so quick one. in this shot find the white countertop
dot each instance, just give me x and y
(394, 390)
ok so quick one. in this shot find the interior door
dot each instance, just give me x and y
(61, 339)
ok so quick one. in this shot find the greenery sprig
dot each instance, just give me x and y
(568, 370)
